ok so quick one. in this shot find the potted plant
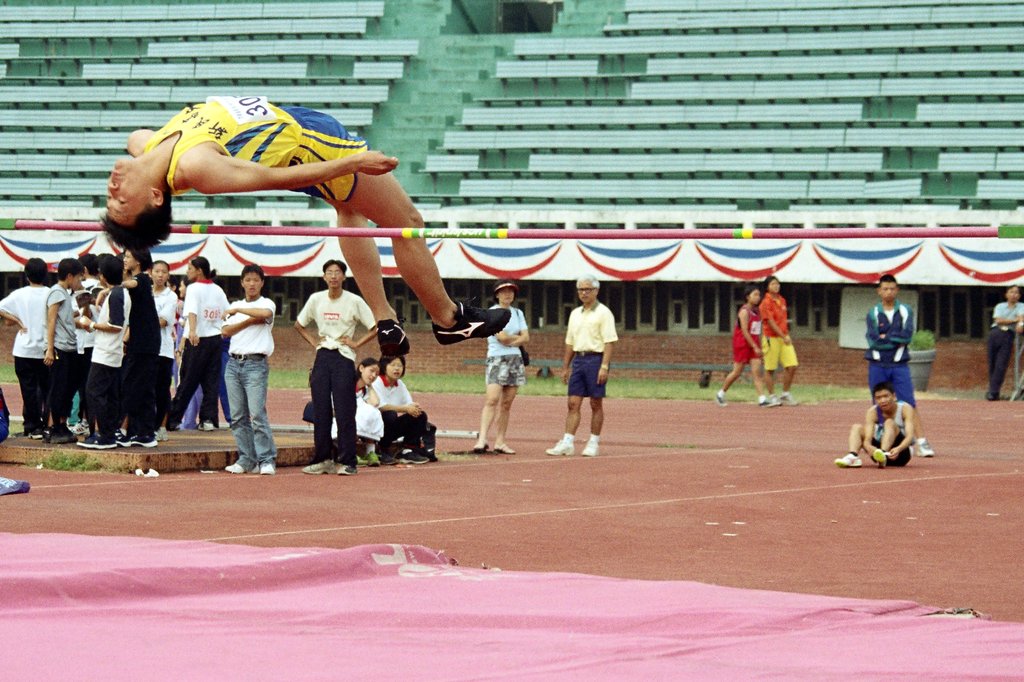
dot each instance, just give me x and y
(922, 355)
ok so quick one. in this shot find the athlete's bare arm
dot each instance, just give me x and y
(208, 171)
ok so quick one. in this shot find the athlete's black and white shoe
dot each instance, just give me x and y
(472, 323)
(391, 338)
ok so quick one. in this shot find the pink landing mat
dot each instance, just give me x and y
(114, 608)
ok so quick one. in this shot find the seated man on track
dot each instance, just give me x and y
(245, 144)
(886, 434)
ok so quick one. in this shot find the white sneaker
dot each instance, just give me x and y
(850, 461)
(207, 426)
(562, 449)
(237, 468)
(161, 434)
(773, 401)
(80, 429)
(268, 469)
(787, 399)
(324, 467)
(590, 450)
(924, 448)
(879, 457)
(720, 399)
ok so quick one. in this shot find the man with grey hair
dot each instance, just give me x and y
(589, 340)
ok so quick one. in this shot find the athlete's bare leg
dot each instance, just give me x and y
(381, 199)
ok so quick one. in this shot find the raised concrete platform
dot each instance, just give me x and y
(183, 451)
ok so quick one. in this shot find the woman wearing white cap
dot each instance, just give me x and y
(505, 371)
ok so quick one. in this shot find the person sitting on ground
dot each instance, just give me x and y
(246, 144)
(746, 347)
(887, 433)
(403, 417)
(369, 422)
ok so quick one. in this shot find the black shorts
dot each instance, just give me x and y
(902, 457)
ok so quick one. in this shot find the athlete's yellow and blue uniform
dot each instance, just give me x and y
(251, 128)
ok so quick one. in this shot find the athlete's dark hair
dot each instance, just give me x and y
(152, 226)
(111, 269)
(144, 258)
(368, 362)
(255, 269)
(883, 386)
(886, 278)
(35, 270)
(68, 267)
(768, 280)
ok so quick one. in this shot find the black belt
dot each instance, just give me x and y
(249, 356)
(583, 354)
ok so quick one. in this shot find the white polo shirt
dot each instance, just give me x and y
(256, 338)
(336, 318)
(207, 301)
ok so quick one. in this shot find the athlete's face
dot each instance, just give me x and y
(1013, 295)
(128, 192)
(884, 399)
(774, 287)
(754, 297)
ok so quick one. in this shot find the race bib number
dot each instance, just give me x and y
(246, 109)
(755, 328)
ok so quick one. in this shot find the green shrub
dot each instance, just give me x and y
(922, 340)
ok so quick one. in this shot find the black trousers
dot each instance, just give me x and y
(333, 381)
(67, 375)
(405, 426)
(34, 380)
(104, 390)
(164, 375)
(1000, 350)
(138, 392)
(200, 366)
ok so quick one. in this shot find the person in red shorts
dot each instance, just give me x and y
(776, 345)
(746, 346)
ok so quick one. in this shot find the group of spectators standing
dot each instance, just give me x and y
(96, 334)
(112, 330)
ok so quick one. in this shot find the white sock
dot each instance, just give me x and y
(762, 399)
(568, 438)
(785, 394)
(371, 448)
(594, 439)
(721, 393)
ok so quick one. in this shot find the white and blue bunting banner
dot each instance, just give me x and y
(978, 262)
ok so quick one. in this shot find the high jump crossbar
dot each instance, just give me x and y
(970, 232)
